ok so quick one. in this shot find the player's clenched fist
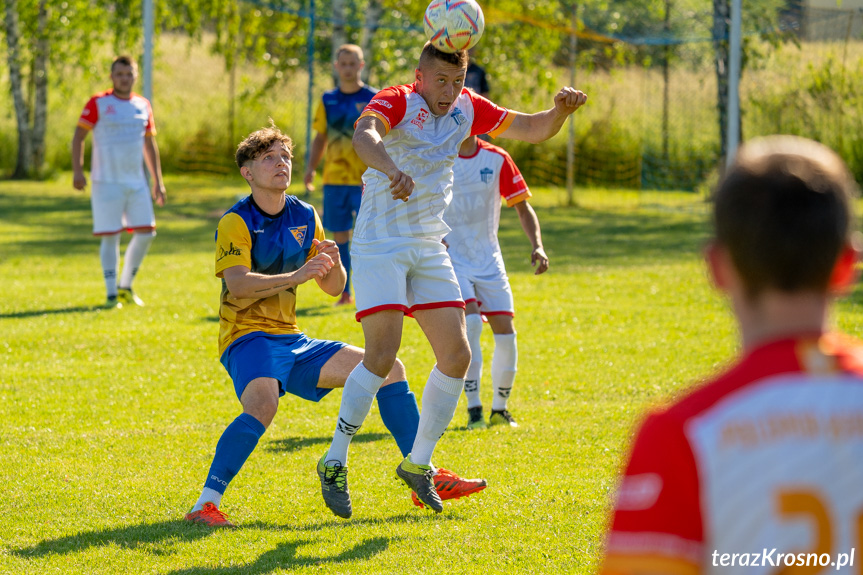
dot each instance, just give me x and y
(316, 268)
(328, 247)
(401, 185)
(568, 100)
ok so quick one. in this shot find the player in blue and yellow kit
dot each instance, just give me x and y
(343, 172)
(267, 245)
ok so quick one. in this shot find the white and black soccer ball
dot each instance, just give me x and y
(453, 25)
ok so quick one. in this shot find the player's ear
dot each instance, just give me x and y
(418, 75)
(718, 261)
(246, 173)
(845, 271)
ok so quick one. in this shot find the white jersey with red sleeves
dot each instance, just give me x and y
(480, 182)
(763, 462)
(423, 146)
(119, 126)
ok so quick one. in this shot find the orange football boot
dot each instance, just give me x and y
(210, 516)
(451, 486)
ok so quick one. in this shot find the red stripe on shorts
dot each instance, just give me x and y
(372, 310)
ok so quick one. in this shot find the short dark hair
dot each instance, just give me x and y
(784, 212)
(350, 49)
(259, 142)
(125, 61)
(429, 52)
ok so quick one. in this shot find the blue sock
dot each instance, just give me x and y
(234, 447)
(399, 411)
(345, 256)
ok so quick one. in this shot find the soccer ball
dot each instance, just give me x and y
(453, 25)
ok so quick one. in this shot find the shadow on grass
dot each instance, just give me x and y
(170, 533)
(62, 310)
(284, 556)
(130, 537)
(291, 444)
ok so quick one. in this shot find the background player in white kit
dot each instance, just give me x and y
(124, 138)
(483, 175)
(409, 137)
(761, 468)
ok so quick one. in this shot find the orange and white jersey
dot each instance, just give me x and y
(119, 126)
(480, 182)
(759, 470)
(423, 146)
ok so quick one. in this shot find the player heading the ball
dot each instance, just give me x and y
(409, 136)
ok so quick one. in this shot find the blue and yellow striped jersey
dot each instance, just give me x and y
(268, 245)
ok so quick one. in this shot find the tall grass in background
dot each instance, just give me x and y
(814, 91)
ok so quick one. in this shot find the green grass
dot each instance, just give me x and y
(110, 418)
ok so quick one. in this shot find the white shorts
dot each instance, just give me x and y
(491, 292)
(403, 274)
(119, 206)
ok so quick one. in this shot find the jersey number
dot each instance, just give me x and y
(796, 504)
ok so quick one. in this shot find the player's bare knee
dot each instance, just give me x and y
(455, 362)
(380, 364)
(397, 373)
(263, 409)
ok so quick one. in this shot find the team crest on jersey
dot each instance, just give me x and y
(421, 118)
(486, 175)
(458, 116)
(299, 234)
(109, 109)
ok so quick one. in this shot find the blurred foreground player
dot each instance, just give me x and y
(761, 468)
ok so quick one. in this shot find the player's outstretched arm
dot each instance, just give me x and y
(530, 225)
(79, 180)
(334, 282)
(539, 127)
(369, 145)
(246, 284)
(154, 164)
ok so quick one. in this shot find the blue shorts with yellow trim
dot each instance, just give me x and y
(341, 204)
(295, 360)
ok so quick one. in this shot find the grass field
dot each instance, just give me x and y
(108, 419)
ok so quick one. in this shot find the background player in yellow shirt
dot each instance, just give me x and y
(343, 172)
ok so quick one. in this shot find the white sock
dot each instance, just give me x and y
(210, 495)
(357, 396)
(503, 368)
(474, 372)
(440, 398)
(109, 253)
(135, 252)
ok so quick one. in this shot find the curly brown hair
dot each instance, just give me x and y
(260, 141)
